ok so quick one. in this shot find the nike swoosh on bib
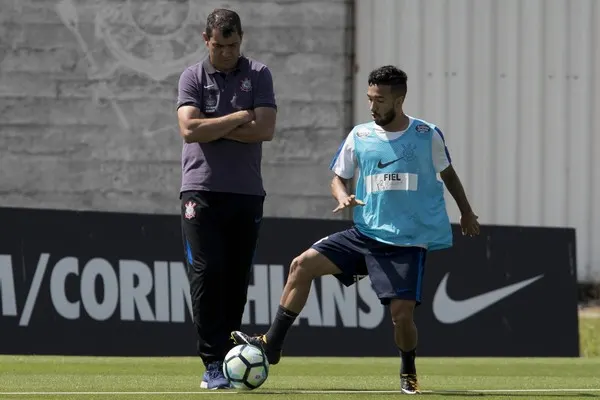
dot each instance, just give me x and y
(381, 165)
(449, 311)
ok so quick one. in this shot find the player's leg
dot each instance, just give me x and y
(204, 255)
(397, 277)
(405, 336)
(335, 255)
(303, 269)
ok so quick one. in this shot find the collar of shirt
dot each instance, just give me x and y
(209, 68)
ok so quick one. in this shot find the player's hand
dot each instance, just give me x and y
(469, 224)
(350, 201)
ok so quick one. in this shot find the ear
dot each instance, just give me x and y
(205, 37)
(399, 101)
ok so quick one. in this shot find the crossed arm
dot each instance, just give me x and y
(261, 129)
(248, 126)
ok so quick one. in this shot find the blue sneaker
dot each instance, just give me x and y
(214, 378)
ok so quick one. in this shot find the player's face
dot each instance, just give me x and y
(382, 104)
(224, 52)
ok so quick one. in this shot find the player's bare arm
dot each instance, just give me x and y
(194, 127)
(468, 219)
(261, 129)
(340, 193)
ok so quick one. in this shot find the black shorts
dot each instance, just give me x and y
(395, 272)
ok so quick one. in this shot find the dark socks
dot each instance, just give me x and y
(408, 362)
(282, 323)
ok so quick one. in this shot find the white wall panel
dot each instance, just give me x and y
(515, 86)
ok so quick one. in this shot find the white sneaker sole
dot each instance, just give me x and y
(409, 391)
(204, 385)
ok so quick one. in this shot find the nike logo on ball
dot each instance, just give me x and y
(449, 311)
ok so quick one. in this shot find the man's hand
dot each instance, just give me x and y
(250, 115)
(349, 201)
(469, 224)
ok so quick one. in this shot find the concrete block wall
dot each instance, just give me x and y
(88, 90)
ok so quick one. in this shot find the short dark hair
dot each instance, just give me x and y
(389, 75)
(225, 21)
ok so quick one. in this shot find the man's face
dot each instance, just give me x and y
(224, 52)
(382, 103)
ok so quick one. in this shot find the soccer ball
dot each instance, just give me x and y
(246, 367)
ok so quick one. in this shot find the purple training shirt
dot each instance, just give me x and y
(224, 165)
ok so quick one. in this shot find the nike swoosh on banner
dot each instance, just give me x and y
(449, 311)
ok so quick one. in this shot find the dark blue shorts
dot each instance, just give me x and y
(395, 272)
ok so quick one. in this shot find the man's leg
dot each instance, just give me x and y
(204, 255)
(397, 278)
(405, 336)
(242, 239)
(303, 269)
(337, 255)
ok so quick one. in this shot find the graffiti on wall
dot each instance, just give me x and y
(153, 39)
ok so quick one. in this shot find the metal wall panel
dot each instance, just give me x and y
(515, 86)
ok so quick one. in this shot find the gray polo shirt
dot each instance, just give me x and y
(224, 165)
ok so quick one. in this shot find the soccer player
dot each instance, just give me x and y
(399, 215)
(226, 108)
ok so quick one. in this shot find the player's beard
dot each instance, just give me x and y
(387, 118)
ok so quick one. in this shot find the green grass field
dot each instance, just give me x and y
(589, 336)
(36, 377)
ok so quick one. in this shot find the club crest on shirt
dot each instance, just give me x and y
(190, 210)
(408, 152)
(423, 130)
(246, 85)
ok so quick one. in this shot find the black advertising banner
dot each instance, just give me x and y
(91, 283)
(509, 292)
